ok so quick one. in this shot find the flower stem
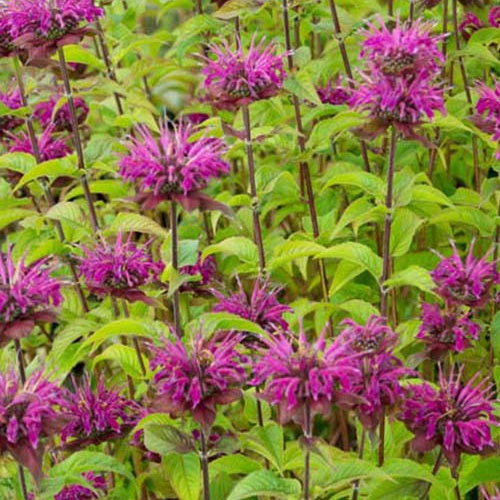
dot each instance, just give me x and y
(199, 7)
(204, 465)
(253, 191)
(475, 151)
(175, 266)
(77, 140)
(386, 257)
(307, 454)
(435, 469)
(361, 451)
(390, 8)
(46, 189)
(381, 440)
(135, 342)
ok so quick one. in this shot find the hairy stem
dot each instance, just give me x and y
(435, 469)
(361, 451)
(381, 440)
(468, 95)
(253, 191)
(386, 257)
(204, 465)
(77, 141)
(175, 266)
(307, 454)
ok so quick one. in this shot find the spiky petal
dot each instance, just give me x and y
(46, 113)
(334, 94)
(488, 111)
(79, 492)
(470, 23)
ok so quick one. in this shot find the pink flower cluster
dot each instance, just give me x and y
(49, 146)
(488, 112)
(45, 112)
(11, 100)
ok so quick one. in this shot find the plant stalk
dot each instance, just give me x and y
(204, 465)
(77, 141)
(253, 191)
(386, 257)
(361, 451)
(175, 266)
(381, 440)
(435, 469)
(307, 454)
(135, 342)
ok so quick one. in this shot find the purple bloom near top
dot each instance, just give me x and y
(470, 23)
(210, 373)
(488, 109)
(7, 48)
(333, 93)
(173, 167)
(467, 283)
(41, 26)
(60, 119)
(206, 269)
(301, 376)
(27, 295)
(79, 492)
(447, 332)
(494, 17)
(96, 415)
(28, 414)
(234, 79)
(13, 101)
(456, 417)
(119, 270)
(261, 307)
(49, 146)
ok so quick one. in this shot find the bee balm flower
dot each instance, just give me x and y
(11, 100)
(49, 146)
(61, 119)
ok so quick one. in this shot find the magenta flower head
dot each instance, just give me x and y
(494, 17)
(96, 414)
(234, 79)
(407, 49)
(41, 26)
(28, 294)
(195, 380)
(46, 113)
(488, 111)
(29, 413)
(456, 417)
(119, 270)
(333, 93)
(373, 338)
(468, 283)
(470, 23)
(79, 492)
(443, 333)
(11, 100)
(176, 166)
(7, 47)
(49, 146)
(495, 495)
(204, 269)
(302, 377)
(261, 307)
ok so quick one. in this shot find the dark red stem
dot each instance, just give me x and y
(175, 266)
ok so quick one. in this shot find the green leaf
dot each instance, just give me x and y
(369, 183)
(128, 222)
(126, 357)
(425, 193)
(293, 250)
(65, 166)
(325, 129)
(235, 8)
(240, 246)
(221, 321)
(265, 483)
(81, 55)
(234, 464)
(165, 439)
(12, 215)
(357, 254)
(267, 441)
(486, 471)
(359, 310)
(412, 276)
(19, 162)
(111, 187)
(404, 227)
(301, 84)
(466, 215)
(346, 271)
(183, 472)
(495, 334)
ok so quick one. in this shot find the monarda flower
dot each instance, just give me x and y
(407, 49)
(203, 269)
(27, 296)
(261, 307)
(195, 380)
(466, 283)
(234, 79)
(303, 378)
(46, 113)
(455, 416)
(470, 24)
(79, 492)
(7, 48)
(176, 166)
(41, 26)
(494, 17)
(96, 415)
(29, 413)
(488, 112)
(443, 333)
(49, 146)
(333, 94)
(11, 100)
(119, 270)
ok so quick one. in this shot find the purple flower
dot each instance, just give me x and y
(456, 417)
(333, 94)
(261, 307)
(27, 295)
(119, 270)
(175, 166)
(78, 492)
(41, 26)
(303, 375)
(489, 105)
(7, 48)
(373, 338)
(206, 269)
(443, 333)
(469, 25)
(465, 283)
(407, 49)
(490, 496)
(96, 415)
(28, 414)
(61, 119)
(235, 79)
(50, 147)
(210, 373)
(13, 101)
(494, 17)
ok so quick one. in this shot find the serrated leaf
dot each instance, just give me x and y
(183, 472)
(81, 55)
(65, 166)
(165, 439)
(345, 272)
(13, 215)
(125, 357)
(240, 246)
(425, 193)
(403, 229)
(325, 129)
(111, 187)
(466, 215)
(267, 441)
(292, 250)
(369, 183)
(234, 464)
(128, 222)
(18, 162)
(265, 483)
(222, 321)
(412, 276)
(359, 310)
